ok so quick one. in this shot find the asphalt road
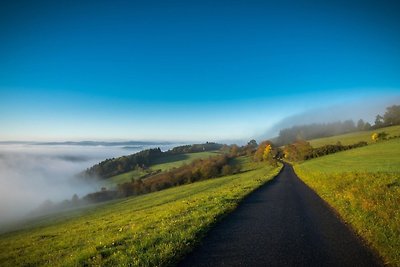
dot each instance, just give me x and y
(283, 223)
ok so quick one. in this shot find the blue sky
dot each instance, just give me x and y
(188, 70)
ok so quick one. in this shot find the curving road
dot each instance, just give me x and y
(284, 223)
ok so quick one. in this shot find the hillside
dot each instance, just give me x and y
(363, 185)
(352, 138)
(148, 230)
(142, 159)
(162, 164)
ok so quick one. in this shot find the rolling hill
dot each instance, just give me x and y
(352, 138)
(363, 186)
(162, 164)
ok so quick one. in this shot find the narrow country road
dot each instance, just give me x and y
(284, 223)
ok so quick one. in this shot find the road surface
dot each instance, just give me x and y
(283, 223)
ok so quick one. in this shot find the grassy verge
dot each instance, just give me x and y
(150, 230)
(363, 185)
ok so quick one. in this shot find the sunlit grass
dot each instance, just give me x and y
(363, 185)
(150, 230)
(352, 138)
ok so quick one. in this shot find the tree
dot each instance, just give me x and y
(374, 137)
(378, 121)
(367, 126)
(297, 151)
(392, 116)
(379, 136)
(252, 143)
(234, 150)
(267, 152)
(360, 125)
(250, 147)
(259, 155)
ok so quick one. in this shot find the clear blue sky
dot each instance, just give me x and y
(187, 70)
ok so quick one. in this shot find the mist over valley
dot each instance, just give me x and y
(31, 173)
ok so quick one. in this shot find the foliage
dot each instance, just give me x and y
(374, 137)
(390, 118)
(142, 159)
(267, 152)
(151, 230)
(259, 153)
(330, 149)
(392, 115)
(379, 136)
(197, 170)
(115, 166)
(363, 185)
(208, 146)
(297, 151)
(302, 150)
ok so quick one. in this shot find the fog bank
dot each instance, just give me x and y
(33, 173)
(366, 110)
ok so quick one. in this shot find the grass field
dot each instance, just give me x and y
(162, 164)
(352, 138)
(155, 229)
(363, 185)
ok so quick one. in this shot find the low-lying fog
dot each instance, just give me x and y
(33, 173)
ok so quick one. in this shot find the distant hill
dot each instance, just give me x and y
(142, 159)
(354, 137)
(320, 130)
(104, 143)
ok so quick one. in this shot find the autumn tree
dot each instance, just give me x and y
(297, 151)
(379, 136)
(259, 154)
(267, 152)
(234, 150)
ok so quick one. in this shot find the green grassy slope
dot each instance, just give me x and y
(363, 185)
(352, 138)
(150, 230)
(163, 164)
(175, 161)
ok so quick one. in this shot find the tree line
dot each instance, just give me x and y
(302, 150)
(197, 170)
(142, 159)
(318, 130)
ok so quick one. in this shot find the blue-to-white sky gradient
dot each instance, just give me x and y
(189, 70)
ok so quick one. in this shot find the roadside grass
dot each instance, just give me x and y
(363, 185)
(352, 138)
(156, 229)
(163, 164)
